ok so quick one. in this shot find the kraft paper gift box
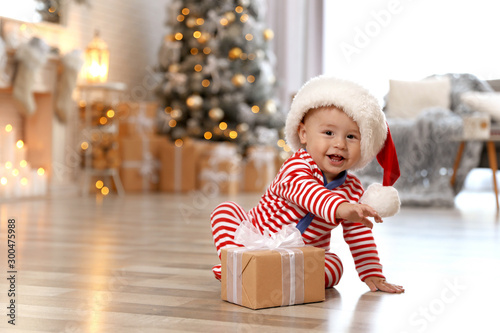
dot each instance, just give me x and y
(281, 158)
(178, 167)
(268, 278)
(136, 119)
(260, 168)
(219, 167)
(140, 163)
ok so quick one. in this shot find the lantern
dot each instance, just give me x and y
(96, 60)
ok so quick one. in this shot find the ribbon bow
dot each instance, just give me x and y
(223, 152)
(285, 242)
(250, 237)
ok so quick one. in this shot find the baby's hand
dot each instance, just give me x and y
(357, 213)
(378, 283)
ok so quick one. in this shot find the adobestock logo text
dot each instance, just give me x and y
(363, 36)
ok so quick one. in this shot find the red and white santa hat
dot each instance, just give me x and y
(360, 106)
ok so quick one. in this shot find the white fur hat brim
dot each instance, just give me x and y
(354, 100)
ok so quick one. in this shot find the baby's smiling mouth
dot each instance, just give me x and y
(336, 158)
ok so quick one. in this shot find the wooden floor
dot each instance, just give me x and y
(142, 263)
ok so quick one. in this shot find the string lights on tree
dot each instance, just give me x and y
(218, 68)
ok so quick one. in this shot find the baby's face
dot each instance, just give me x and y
(332, 139)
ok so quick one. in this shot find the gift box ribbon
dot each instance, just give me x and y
(177, 169)
(147, 169)
(141, 121)
(222, 153)
(292, 275)
(285, 242)
(263, 159)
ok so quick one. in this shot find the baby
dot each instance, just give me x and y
(333, 126)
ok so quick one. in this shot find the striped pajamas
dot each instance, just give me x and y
(298, 189)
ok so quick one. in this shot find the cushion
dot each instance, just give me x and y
(486, 102)
(408, 98)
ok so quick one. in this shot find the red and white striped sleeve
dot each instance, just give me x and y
(363, 249)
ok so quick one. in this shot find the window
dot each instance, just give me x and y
(33, 11)
(372, 41)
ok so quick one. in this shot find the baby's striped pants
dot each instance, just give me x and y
(226, 218)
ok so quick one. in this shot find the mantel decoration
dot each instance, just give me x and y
(96, 60)
(17, 177)
(52, 11)
(31, 58)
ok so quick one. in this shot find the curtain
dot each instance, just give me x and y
(297, 43)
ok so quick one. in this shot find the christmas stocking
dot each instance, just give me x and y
(31, 57)
(72, 62)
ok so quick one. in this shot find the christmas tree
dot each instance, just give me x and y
(218, 81)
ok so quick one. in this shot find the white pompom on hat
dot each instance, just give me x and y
(364, 109)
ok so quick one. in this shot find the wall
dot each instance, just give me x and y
(133, 30)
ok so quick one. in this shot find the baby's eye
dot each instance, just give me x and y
(351, 136)
(328, 132)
